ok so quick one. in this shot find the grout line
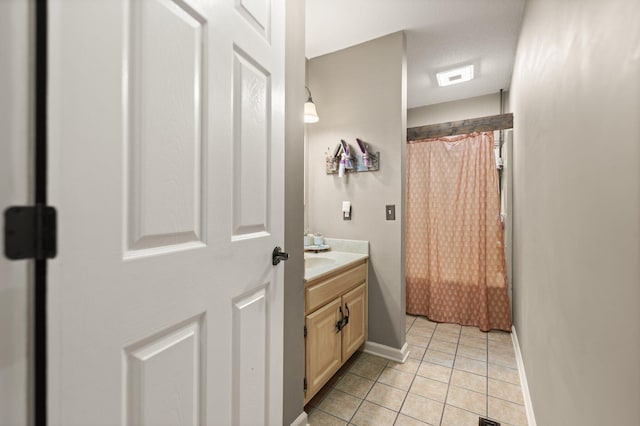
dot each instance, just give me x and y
(367, 394)
(455, 355)
(414, 376)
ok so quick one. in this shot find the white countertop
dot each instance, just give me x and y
(319, 264)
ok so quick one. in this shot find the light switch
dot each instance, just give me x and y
(346, 210)
(391, 211)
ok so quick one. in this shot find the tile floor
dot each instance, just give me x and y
(454, 375)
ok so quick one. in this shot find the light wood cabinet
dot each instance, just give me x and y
(323, 346)
(354, 332)
(335, 323)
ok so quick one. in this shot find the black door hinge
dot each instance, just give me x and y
(30, 232)
(305, 384)
(305, 331)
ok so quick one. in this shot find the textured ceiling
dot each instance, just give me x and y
(441, 34)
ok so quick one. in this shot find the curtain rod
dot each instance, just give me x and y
(452, 128)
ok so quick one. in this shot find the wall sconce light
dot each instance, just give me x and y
(310, 113)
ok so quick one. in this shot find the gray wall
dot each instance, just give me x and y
(575, 96)
(361, 92)
(479, 106)
(293, 397)
(16, 141)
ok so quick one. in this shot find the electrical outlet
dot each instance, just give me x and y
(390, 209)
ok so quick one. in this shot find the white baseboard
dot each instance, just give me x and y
(301, 420)
(387, 352)
(531, 419)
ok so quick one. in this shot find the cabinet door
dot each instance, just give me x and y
(323, 356)
(354, 333)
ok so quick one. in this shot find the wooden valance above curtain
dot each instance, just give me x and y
(482, 124)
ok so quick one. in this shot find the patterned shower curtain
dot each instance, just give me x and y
(455, 266)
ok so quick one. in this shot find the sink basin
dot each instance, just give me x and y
(315, 262)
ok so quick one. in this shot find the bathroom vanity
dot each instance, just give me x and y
(336, 317)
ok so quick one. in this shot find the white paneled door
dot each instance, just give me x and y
(166, 128)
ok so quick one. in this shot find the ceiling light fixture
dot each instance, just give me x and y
(455, 76)
(310, 113)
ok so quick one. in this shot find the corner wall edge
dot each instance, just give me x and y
(387, 352)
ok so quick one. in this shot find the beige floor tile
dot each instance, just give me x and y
(340, 404)
(467, 400)
(417, 333)
(499, 336)
(416, 352)
(505, 374)
(424, 329)
(476, 342)
(424, 332)
(423, 409)
(454, 416)
(386, 396)
(446, 336)
(470, 365)
(368, 369)
(435, 372)
(320, 418)
(319, 396)
(373, 358)
(472, 352)
(373, 415)
(507, 412)
(407, 327)
(427, 325)
(501, 347)
(439, 357)
(451, 328)
(396, 378)
(466, 380)
(503, 358)
(403, 420)
(421, 341)
(428, 388)
(443, 346)
(425, 321)
(409, 366)
(354, 385)
(470, 330)
(507, 391)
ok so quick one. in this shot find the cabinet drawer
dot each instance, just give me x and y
(317, 295)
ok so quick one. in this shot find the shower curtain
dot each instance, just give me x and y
(455, 266)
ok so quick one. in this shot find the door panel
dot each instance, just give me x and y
(166, 167)
(164, 377)
(354, 333)
(250, 343)
(165, 62)
(251, 116)
(257, 14)
(323, 355)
